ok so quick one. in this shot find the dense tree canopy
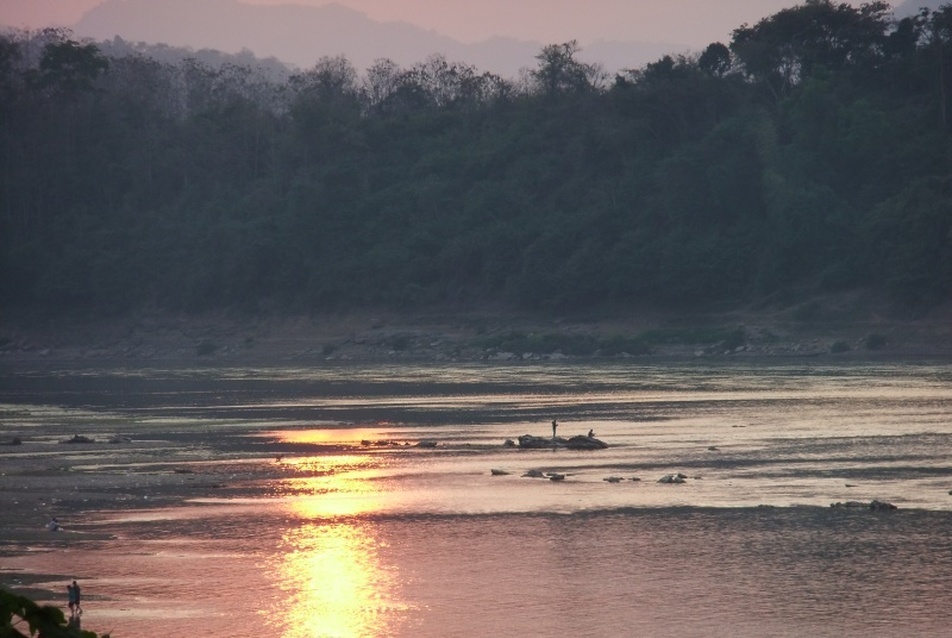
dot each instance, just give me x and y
(810, 152)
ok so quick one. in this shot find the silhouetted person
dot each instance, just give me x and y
(555, 424)
(71, 597)
(76, 596)
(591, 434)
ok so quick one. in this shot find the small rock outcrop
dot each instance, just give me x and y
(582, 442)
(871, 505)
(531, 442)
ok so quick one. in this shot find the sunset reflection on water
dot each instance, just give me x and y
(330, 571)
(334, 582)
(292, 524)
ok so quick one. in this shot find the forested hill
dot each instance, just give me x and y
(811, 152)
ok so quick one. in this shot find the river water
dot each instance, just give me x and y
(356, 531)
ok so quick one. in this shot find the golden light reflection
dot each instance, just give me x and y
(330, 572)
(325, 437)
(334, 583)
(335, 486)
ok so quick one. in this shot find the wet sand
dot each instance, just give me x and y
(45, 476)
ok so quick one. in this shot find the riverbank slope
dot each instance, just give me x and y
(852, 325)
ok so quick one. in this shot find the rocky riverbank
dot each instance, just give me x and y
(819, 328)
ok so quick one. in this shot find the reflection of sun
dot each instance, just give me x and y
(335, 485)
(334, 584)
(325, 437)
(330, 571)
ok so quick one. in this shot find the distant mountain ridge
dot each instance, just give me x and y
(300, 35)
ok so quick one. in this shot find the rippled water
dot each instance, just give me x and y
(395, 540)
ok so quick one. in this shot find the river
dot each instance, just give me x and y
(356, 530)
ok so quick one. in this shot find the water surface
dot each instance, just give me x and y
(346, 536)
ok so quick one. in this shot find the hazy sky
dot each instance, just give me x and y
(689, 22)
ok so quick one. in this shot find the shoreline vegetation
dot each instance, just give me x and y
(807, 155)
(19, 613)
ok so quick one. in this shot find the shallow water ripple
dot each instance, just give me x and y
(356, 531)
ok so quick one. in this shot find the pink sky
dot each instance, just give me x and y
(691, 22)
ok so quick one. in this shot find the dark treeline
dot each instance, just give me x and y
(811, 153)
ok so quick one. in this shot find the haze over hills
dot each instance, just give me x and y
(300, 35)
(909, 7)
